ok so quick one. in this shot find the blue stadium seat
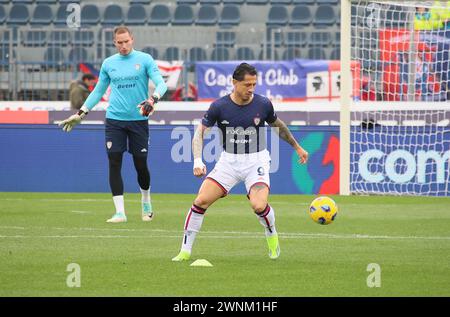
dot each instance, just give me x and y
(46, 1)
(34, 38)
(184, 15)
(172, 54)
(152, 51)
(54, 55)
(320, 39)
(160, 15)
(210, 1)
(42, 15)
(187, 1)
(140, 2)
(278, 16)
(291, 53)
(207, 15)
(61, 16)
(90, 15)
(113, 15)
(220, 54)
(309, 2)
(275, 37)
(245, 53)
(327, 1)
(230, 16)
(301, 16)
(11, 37)
(66, 2)
(197, 54)
(233, 1)
(83, 38)
(2, 15)
(284, 2)
(60, 38)
(22, 1)
(316, 53)
(18, 15)
(137, 15)
(4, 1)
(324, 16)
(257, 2)
(225, 38)
(295, 38)
(335, 53)
(270, 55)
(78, 55)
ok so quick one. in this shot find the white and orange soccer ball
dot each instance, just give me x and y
(323, 210)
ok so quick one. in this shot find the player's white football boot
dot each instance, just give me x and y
(117, 218)
(147, 212)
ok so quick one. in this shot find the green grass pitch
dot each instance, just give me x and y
(41, 234)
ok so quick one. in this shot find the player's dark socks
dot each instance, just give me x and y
(143, 174)
(115, 174)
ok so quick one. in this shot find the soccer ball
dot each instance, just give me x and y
(323, 210)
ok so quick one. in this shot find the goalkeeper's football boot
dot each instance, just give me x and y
(147, 212)
(182, 256)
(117, 218)
(274, 246)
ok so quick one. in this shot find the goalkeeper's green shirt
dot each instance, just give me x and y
(128, 77)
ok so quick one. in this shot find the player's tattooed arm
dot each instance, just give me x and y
(284, 133)
(197, 149)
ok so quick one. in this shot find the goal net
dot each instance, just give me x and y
(400, 110)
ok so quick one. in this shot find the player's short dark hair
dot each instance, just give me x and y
(242, 70)
(87, 77)
(121, 29)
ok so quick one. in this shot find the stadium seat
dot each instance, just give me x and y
(283, 2)
(184, 15)
(245, 53)
(113, 15)
(172, 54)
(308, 2)
(137, 15)
(324, 16)
(210, 1)
(66, 2)
(34, 38)
(295, 38)
(160, 15)
(83, 38)
(78, 55)
(332, 2)
(278, 16)
(46, 1)
(187, 1)
(220, 54)
(257, 2)
(207, 15)
(60, 38)
(197, 54)
(4, 1)
(42, 15)
(225, 38)
(11, 37)
(2, 15)
(320, 39)
(335, 53)
(233, 2)
(22, 1)
(151, 50)
(18, 15)
(301, 16)
(316, 53)
(270, 55)
(61, 16)
(274, 37)
(291, 53)
(142, 2)
(230, 16)
(53, 55)
(90, 15)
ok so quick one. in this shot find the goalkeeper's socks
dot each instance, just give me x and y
(267, 220)
(145, 195)
(119, 204)
(192, 225)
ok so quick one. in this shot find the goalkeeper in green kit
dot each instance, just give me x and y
(126, 127)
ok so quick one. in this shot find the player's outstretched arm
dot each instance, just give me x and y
(197, 149)
(284, 133)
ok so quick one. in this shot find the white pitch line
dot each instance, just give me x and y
(81, 212)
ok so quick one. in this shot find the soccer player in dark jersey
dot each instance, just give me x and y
(241, 117)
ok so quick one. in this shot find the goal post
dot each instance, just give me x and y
(395, 119)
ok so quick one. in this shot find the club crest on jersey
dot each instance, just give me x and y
(256, 120)
(137, 66)
(109, 144)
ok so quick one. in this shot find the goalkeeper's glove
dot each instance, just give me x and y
(147, 107)
(74, 119)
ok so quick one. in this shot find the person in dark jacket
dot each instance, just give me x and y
(79, 90)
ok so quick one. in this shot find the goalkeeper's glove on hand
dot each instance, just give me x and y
(147, 107)
(74, 119)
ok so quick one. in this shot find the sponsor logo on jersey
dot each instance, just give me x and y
(137, 66)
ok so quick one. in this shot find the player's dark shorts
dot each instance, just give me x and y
(121, 136)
